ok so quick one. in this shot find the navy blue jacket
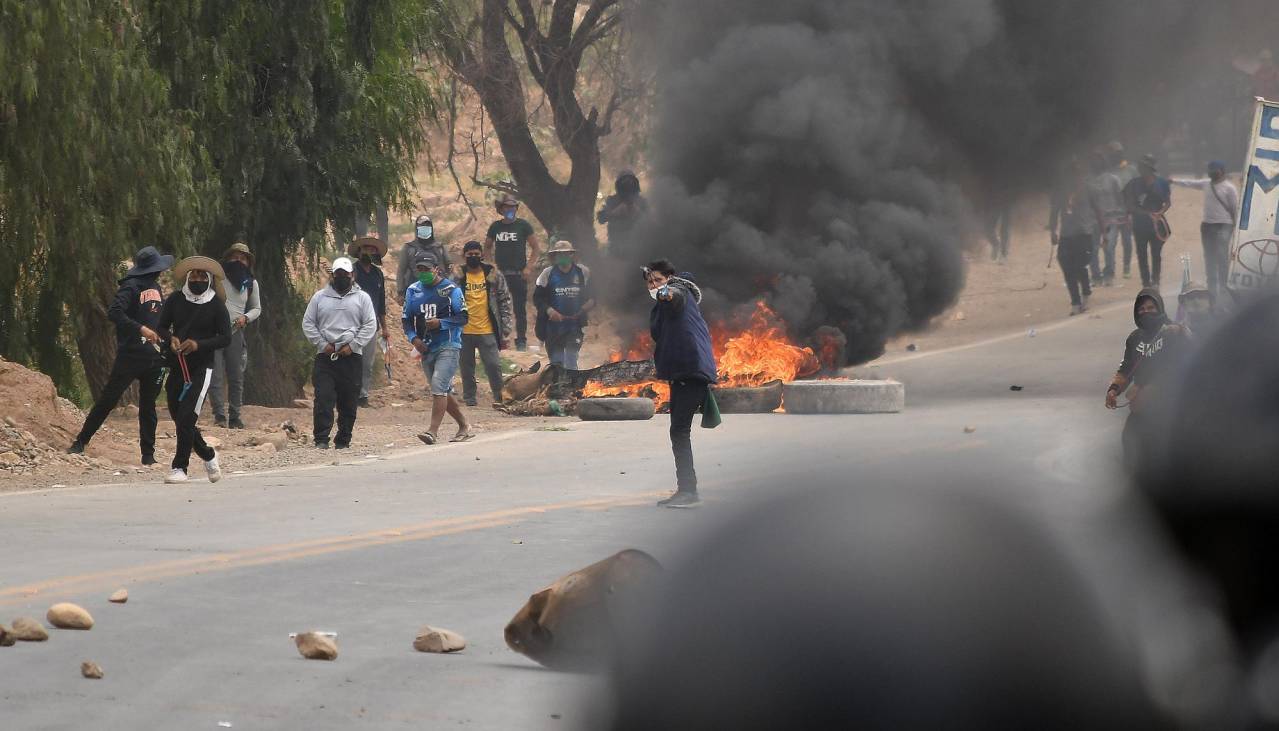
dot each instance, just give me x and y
(683, 342)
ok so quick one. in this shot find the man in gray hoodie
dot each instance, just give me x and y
(340, 321)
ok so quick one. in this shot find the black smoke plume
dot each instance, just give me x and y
(832, 157)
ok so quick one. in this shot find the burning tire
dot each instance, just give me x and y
(844, 397)
(749, 400)
(615, 409)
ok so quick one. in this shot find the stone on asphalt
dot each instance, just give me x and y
(6, 637)
(69, 616)
(315, 646)
(119, 597)
(434, 639)
(91, 670)
(970, 429)
(28, 630)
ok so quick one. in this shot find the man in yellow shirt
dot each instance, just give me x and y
(490, 324)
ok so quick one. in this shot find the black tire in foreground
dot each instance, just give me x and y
(615, 409)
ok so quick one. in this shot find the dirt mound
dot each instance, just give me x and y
(37, 424)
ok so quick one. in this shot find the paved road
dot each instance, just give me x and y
(458, 536)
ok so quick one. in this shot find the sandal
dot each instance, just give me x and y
(463, 435)
(427, 437)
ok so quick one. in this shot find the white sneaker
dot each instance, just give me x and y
(176, 476)
(213, 468)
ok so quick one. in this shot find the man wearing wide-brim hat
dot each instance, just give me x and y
(244, 306)
(367, 251)
(195, 325)
(135, 312)
(563, 298)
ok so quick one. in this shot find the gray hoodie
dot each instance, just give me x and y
(340, 319)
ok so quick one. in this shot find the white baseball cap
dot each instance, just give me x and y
(343, 263)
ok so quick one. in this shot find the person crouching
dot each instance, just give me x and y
(195, 324)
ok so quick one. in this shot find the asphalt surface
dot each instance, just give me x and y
(459, 536)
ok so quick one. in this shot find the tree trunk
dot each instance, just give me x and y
(95, 335)
(279, 357)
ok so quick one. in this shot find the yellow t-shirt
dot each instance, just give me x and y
(478, 321)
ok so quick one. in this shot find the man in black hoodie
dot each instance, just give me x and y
(135, 312)
(1156, 348)
(195, 324)
(622, 209)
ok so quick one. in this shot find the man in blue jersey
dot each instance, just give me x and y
(563, 299)
(434, 315)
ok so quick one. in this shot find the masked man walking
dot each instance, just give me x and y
(489, 323)
(339, 322)
(434, 315)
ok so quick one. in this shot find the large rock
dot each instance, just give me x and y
(315, 646)
(571, 624)
(119, 596)
(26, 629)
(433, 639)
(91, 670)
(837, 396)
(615, 409)
(69, 616)
(6, 637)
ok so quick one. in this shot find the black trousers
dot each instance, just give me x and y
(337, 383)
(1149, 255)
(150, 377)
(519, 300)
(185, 410)
(1074, 253)
(687, 396)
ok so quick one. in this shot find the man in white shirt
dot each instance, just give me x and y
(244, 305)
(1221, 203)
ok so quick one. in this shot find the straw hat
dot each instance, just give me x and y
(354, 248)
(563, 246)
(242, 248)
(203, 263)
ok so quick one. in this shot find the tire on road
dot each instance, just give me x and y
(749, 400)
(844, 397)
(615, 409)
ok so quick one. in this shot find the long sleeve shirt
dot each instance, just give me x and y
(207, 324)
(443, 301)
(337, 319)
(244, 302)
(1221, 199)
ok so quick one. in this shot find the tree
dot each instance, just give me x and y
(476, 43)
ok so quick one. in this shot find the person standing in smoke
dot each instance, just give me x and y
(1074, 223)
(683, 357)
(1148, 197)
(195, 324)
(1221, 202)
(563, 300)
(1198, 306)
(622, 209)
(511, 245)
(1152, 350)
(424, 242)
(1110, 199)
(1125, 172)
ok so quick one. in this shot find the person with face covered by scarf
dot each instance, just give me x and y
(563, 300)
(1153, 351)
(622, 209)
(368, 252)
(511, 244)
(244, 306)
(489, 324)
(424, 242)
(339, 322)
(195, 324)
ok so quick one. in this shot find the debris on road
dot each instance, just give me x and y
(1015, 388)
(570, 624)
(316, 646)
(970, 429)
(120, 596)
(28, 630)
(69, 616)
(431, 639)
(1031, 333)
(6, 637)
(91, 670)
(912, 347)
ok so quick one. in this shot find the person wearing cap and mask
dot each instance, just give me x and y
(424, 241)
(512, 246)
(135, 312)
(1148, 197)
(489, 324)
(1151, 351)
(434, 316)
(1221, 202)
(563, 300)
(1074, 222)
(1118, 160)
(368, 252)
(244, 306)
(195, 324)
(340, 322)
(622, 209)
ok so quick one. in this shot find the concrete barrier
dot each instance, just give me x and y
(749, 400)
(843, 397)
(615, 409)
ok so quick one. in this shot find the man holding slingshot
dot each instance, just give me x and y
(194, 323)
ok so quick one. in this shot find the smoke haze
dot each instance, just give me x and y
(832, 157)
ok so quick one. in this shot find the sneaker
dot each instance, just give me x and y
(235, 423)
(148, 459)
(364, 402)
(219, 420)
(321, 444)
(176, 476)
(77, 447)
(214, 469)
(681, 499)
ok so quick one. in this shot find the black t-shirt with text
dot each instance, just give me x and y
(510, 243)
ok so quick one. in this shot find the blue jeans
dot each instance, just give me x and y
(440, 366)
(1109, 239)
(563, 349)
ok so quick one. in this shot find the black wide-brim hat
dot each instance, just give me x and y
(149, 261)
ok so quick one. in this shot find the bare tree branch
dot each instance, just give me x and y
(452, 131)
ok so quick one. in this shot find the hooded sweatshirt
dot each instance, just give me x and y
(137, 304)
(682, 340)
(404, 276)
(624, 208)
(340, 319)
(1153, 351)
